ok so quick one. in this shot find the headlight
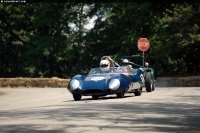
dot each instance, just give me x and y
(74, 84)
(114, 84)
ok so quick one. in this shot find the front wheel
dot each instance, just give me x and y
(153, 87)
(77, 97)
(138, 92)
(120, 94)
(148, 82)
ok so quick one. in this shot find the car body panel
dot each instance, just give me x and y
(97, 82)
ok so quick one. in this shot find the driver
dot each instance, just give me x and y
(125, 62)
(104, 65)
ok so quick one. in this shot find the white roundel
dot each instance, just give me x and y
(142, 78)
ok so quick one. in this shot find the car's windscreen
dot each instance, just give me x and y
(112, 70)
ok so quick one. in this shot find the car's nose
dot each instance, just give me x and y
(92, 84)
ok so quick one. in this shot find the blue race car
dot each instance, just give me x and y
(117, 80)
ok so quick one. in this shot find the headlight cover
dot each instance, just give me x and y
(114, 84)
(74, 84)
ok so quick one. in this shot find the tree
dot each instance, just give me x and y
(120, 25)
(177, 40)
(52, 39)
(49, 41)
(14, 35)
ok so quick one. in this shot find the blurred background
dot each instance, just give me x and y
(63, 39)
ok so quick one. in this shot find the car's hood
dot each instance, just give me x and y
(96, 82)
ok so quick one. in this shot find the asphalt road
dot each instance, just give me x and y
(53, 110)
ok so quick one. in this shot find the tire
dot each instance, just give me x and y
(77, 97)
(120, 94)
(95, 96)
(138, 93)
(153, 87)
(148, 82)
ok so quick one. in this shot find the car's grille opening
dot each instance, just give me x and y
(93, 91)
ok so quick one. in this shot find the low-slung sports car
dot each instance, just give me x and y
(117, 80)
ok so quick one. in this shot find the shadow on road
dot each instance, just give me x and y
(142, 116)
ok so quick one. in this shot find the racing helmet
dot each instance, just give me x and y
(125, 62)
(104, 65)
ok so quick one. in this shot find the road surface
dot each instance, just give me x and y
(53, 110)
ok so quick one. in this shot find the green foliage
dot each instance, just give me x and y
(177, 42)
(13, 32)
(49, 39)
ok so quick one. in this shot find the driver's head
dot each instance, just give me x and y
(104, 65)
(125, 62)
